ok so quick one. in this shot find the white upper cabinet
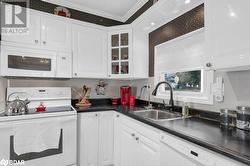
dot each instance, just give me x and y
(120, 53)
(33, 36)
(89, 51)
(227, 33)
(140, 51)
(64, 65)
(45, 31)
(56, 32)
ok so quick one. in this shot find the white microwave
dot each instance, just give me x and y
(25, 62)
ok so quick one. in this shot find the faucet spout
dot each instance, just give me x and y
(171, 101)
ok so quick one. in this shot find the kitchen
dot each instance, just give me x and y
(106, 59)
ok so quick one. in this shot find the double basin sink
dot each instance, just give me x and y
(157, 115)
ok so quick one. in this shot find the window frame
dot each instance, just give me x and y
(205, 96)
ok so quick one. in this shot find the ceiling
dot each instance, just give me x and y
(119, 10)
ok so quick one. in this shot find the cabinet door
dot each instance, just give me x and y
(106, 138)
(129, 146)
(88, 139)
(120, 53)
(227, 32)
(33, 35)
(64, 65)
(56, 32)
(171, 157)
(89, 52)
(149, 152)
(117, 139)
(140, 51)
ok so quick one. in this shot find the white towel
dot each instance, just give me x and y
(36, 136)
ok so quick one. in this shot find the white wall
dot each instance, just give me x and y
(3, 85)
(237, 91)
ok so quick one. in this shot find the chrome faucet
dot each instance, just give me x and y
(171, 101)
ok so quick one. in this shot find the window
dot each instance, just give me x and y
(181, 62)
(189, 85)
(184, 81)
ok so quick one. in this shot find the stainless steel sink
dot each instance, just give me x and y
(157, 115)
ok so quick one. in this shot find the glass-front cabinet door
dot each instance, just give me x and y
(120, 53)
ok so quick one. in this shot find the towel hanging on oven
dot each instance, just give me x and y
(36, 136)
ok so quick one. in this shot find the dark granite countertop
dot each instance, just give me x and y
(234, 143)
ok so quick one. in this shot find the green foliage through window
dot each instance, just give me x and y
(185, 81)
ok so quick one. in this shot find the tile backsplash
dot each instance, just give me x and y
(236, 91)
(112, 89)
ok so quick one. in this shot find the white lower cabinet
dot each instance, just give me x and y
(113, 139)
(95, 139)
(137, 150)
(129, 146)
(175, 151)
(133, 148)
(88, 139)
(106, 138)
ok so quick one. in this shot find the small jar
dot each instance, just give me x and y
(228, 118)
(243, 117)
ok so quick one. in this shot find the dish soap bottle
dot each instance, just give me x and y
(185, 108)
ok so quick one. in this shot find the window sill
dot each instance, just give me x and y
(188, 98)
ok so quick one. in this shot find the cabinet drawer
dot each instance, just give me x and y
(144, 129)
(197, 153)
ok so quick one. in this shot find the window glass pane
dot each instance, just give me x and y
(115, 54)
(115, 68)
(185, 81)
(124, 39)
(124, 67)
(115, 40)
(124, 53)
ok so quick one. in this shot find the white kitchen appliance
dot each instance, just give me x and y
(40, 138)
(25, 62)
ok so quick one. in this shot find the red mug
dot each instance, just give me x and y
(132, 101)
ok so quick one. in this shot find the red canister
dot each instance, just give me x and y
(125, 92)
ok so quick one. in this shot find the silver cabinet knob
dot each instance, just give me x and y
(44, 42)
(63, 58)
(133, 134)
(75, 74)
(137, 138)
(209, 64)
(117, 116)
(36, 41)
(96, 114)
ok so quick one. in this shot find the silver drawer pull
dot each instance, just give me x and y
(194, 153)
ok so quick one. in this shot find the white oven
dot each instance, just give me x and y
(64, 154)
(24, 62)
(46, 138)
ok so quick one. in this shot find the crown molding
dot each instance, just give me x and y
(100, 13)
